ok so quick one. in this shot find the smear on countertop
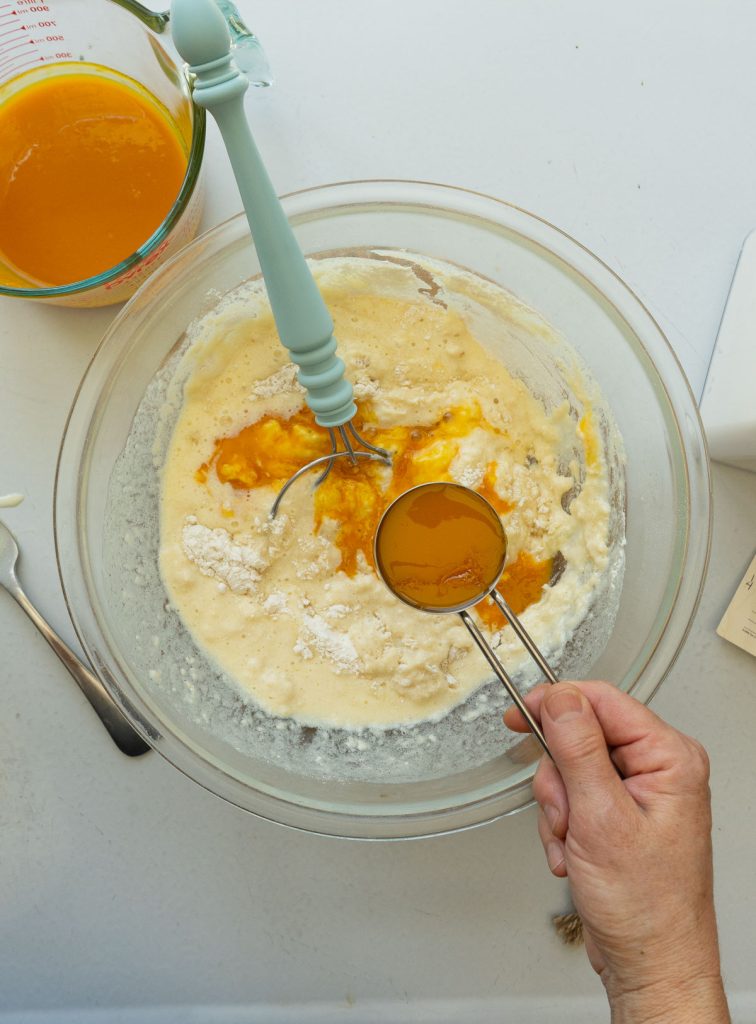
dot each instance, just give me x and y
(10, 500)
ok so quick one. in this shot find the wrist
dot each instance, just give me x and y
(670, 979)
(697, 1000)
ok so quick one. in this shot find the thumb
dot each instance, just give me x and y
(578, 747)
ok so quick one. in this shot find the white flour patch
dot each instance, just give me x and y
(282, 382)
(237, 566)
(337, 647)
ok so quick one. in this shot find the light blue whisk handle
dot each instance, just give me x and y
(304, 324)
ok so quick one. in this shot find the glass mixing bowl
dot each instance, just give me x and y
(667, 496)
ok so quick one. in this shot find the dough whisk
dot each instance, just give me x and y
(303, 322)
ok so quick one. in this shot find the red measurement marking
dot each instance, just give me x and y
(23, 64)
(7, 49)
(5, 65)
(140, 267)
(11, 65)
(11, 31)
(14, 56)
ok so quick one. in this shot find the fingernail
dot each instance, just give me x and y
(554, 855)
(561, 705)
(552, 815)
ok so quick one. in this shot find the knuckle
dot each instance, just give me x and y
(544, 832)
(582, 746)
(701, 759)
(544, 786)
(699, 766)
(691, 765)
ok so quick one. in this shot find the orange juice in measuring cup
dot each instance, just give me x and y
(101, 150)
(101, 146)
(90, 167)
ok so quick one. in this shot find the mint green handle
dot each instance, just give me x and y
(304, 324)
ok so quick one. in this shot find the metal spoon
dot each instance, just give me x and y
(125, 738)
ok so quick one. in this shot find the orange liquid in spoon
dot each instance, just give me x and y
(440, 547)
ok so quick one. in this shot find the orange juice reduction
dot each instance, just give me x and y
(90, 164)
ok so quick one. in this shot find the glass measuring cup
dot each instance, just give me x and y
(441, 547)
(38, 38)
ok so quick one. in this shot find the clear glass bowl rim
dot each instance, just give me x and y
(487, 805)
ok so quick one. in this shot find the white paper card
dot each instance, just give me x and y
(738, 623)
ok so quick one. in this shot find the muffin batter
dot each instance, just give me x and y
(292, 608)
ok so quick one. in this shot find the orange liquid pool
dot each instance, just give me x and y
(90, 164)
(266, 453)
(269, 451)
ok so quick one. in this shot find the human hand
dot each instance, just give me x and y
(636, 848)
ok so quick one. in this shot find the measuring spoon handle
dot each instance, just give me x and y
(504, 678)
(524, 636)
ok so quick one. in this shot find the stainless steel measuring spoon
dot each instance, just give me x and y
(488, 589)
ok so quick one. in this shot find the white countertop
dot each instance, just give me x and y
(128, 891)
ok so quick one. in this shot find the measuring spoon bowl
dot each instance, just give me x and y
(451, 522)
